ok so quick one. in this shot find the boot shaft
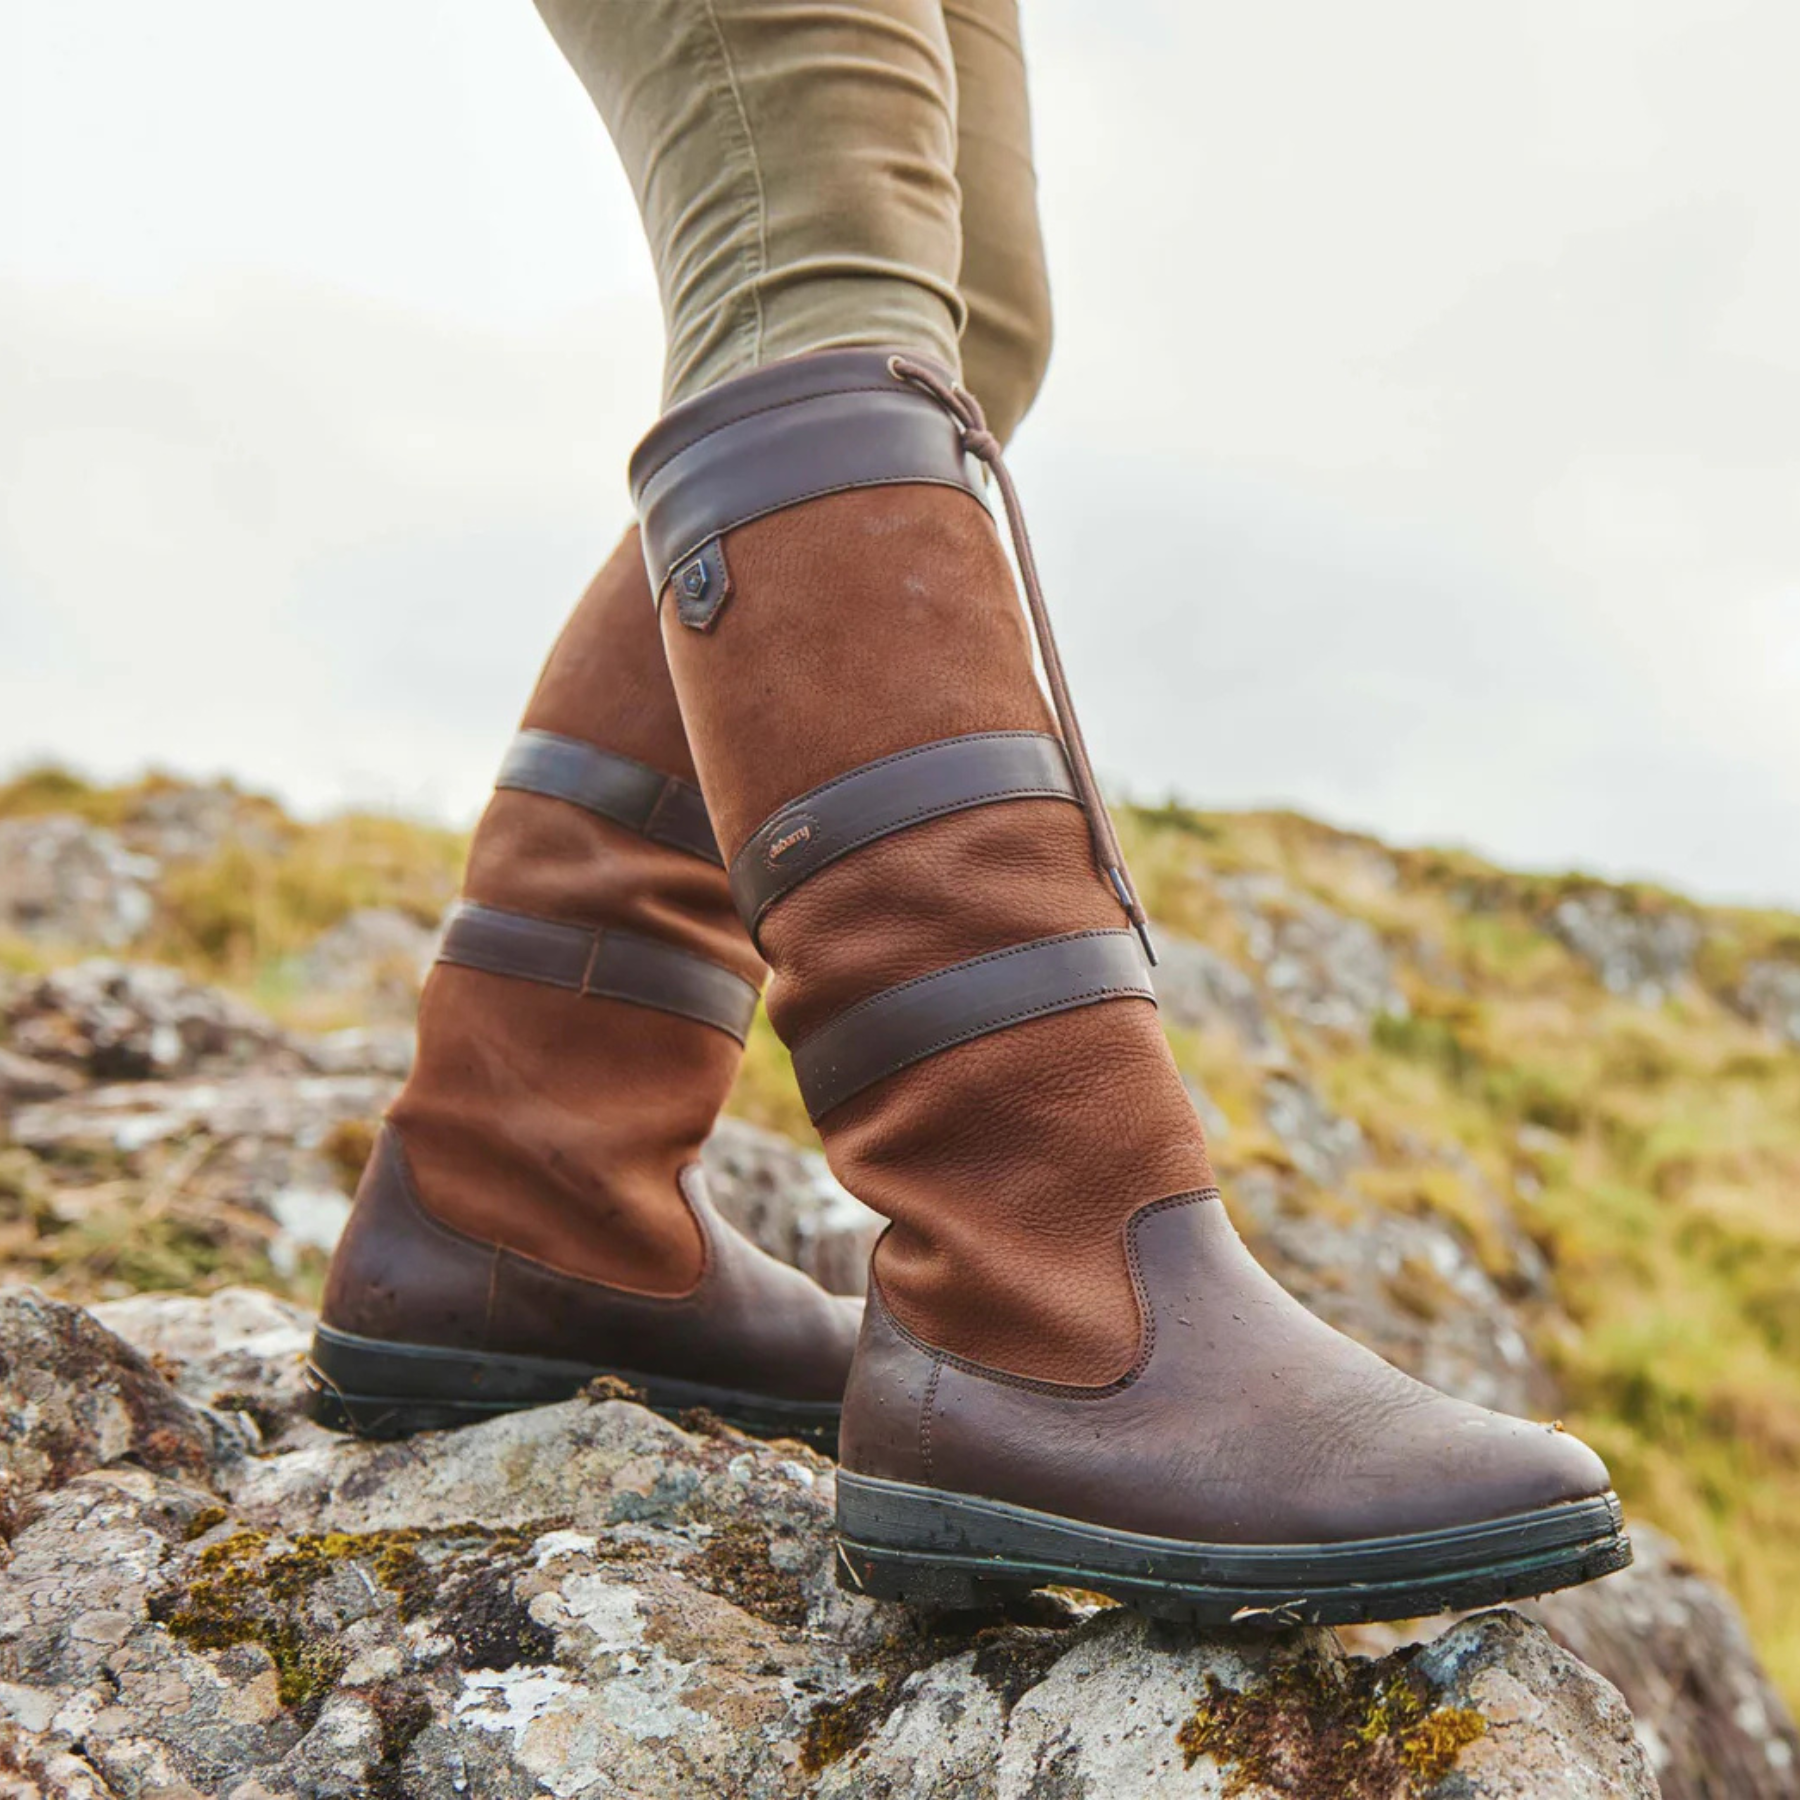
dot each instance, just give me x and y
(970, 1016)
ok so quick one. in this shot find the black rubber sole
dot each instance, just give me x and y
(373, 1388)
(953, 1553)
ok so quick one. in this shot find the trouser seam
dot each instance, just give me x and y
(757, 260)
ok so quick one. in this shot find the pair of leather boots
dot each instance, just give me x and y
(1068, 1370)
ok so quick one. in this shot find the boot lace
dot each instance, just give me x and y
(981, 443)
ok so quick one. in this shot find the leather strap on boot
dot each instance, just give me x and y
(604, 964)
(660, 807)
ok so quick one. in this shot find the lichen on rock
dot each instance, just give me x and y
(588, 1601)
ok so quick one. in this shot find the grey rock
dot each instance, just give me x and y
(295, 1110)
(377, 954)
(236, 1350)
(25, 1078)
(1200, 990)
(1137, 1709)
(64, 881)
(182, 822)
(1407, 1285)
(1674, 1645)
(1770, 994)
(362, 1050)
(788, 1202)
(1323, 968)
(74, 1397)
(587, 1601)
(117, 1021)
(1324, 1146)
(1642, 955)
(28, 1772)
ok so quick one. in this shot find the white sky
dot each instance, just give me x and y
(1422, 446)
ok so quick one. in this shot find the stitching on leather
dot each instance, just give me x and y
(923, 815)
(756, 412)
(498, 1252)
(409, 1190)
(493, 1297)
(919, 815)
(1064, 1390)
(931, 1388)
(974, 962)
(655, 955)
(985, 1028)
(899, 756)
(659, 821)
(550, 1272)
(824, 493)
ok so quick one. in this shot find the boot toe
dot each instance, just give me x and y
(1535, 1466)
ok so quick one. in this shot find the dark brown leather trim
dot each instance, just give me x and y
(880, 798)
(811, 425)
(610, 965)
(903, 1025)
(630, 793)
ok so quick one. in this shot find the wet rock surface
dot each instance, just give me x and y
(587, 1600)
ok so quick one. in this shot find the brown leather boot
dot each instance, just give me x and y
(1070, 1370)
(534, 1214)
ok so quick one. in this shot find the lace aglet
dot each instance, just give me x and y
(1142, 927)
(1134, 910)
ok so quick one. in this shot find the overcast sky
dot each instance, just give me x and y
(1421, 449)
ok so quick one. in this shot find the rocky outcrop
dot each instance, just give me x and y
(1323, 968)
(138, 1103)
(1200, 990)
(788, 1201)
(117, 1021)
(76, 1397)
(63, 881)
(1770, 994)
(1713, 1727)
(587, 1600)
(1643, 954)
(377, 955)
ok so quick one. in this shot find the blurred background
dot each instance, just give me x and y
(1455, 348)
(1417, 485)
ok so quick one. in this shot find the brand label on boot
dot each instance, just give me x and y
(793, 838)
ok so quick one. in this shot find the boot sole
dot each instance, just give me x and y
(375, 1388)
(953, 1552)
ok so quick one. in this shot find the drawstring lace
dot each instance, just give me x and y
(981, 443)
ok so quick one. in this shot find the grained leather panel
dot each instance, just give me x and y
(539, 1117)
(750, 1322)
(400, 1274)
(884, 1403)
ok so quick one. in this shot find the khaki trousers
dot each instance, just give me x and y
(822, 173)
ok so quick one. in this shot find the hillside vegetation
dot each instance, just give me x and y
(1596, 1087)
